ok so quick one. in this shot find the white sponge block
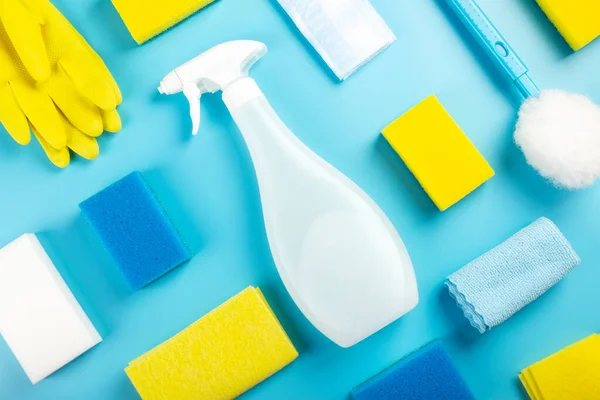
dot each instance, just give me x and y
(40, 319)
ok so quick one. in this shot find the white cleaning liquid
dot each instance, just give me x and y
(338, 255)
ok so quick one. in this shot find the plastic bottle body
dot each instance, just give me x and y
(337, 253)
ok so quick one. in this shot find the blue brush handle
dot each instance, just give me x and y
(494, 44)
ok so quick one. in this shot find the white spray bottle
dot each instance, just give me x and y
(338, 255)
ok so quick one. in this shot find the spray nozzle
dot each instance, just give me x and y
(211, 71)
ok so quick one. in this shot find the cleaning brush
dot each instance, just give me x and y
(558, 131)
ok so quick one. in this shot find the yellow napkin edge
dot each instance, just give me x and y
(528, 378)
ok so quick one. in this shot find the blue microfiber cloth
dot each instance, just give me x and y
(426, 374)
(496, 285)
(135, 230)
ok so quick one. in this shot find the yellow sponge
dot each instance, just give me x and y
(573, 373)
(578, 21)
(220, 356)
(438, 153)
(147, 18)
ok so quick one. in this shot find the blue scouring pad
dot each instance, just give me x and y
(426, 374)
(135, 230)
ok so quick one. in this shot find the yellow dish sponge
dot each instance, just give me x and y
(573, 373)
(578, 21)
(438, 153)
(147, 18)
(220, 356)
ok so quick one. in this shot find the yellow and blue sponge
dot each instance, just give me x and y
(578, 21)
(573, 373)
(135, 230)
(438, 153)
(223, 354)
(147, 18)
(426, 374)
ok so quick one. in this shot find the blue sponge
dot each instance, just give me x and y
(427, 374)
(135, 230)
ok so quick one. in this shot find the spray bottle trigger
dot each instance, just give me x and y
(193, 93)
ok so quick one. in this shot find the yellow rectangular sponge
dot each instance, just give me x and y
(573, 373)
(438, 153)
(147, 18)
(223, 354)
(578, 21)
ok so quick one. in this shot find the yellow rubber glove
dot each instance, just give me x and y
(52, 81)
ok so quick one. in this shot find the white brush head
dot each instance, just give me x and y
(559, 133)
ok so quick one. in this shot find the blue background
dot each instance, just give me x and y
(208, 187)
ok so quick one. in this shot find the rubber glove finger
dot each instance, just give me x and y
(111, 120)
(26, 37)
(12, 117)
(77, 46)
(108, 76)
(81, 112)
(41, 112)
(88, 78)
(85, 46)
(59, 157)
(112, 82)
(82, 144)
(37, 9)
